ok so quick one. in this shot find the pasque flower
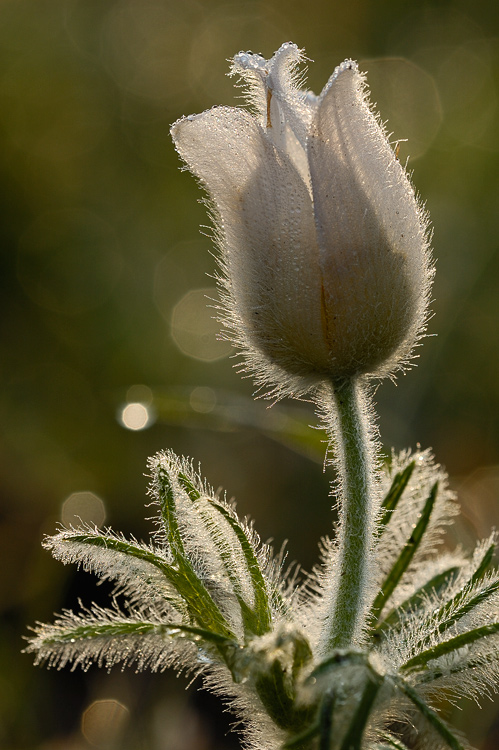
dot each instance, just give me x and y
(324, 246)
(326, 276)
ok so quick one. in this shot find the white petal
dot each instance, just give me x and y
(288, 104)
(370, 228)
(269, 238)
(275, 90)
(285, 110)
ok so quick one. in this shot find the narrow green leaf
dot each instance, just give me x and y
(257, 620)
(225, 555)
(404, 559)
(107, 630)
(251, 619)
(468, 606)
(200, 602)
(126, 548)
(484, 564)
(411, 604)
(353, 737)
(189, 487)
(168, 511)
(399, 483)
(263, 616)
(116, 629)
(201, 633)
(183, 578)
(472, 666)
(459, 606)
(464, 639)
(430, 716)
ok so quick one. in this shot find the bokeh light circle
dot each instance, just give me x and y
(408, 98)
(136, 416)
(194, 328)
(104, 722)
(83, 508)
(203, 399)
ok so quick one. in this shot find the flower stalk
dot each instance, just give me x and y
(353, 445)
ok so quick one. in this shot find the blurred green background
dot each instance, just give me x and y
(104, 277)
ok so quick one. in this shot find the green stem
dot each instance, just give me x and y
(354, 457)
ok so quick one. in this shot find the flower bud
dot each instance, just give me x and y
(324, 247)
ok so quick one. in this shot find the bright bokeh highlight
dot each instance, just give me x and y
(136, 416)
(83, 508)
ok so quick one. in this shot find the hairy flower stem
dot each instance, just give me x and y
(355, 463)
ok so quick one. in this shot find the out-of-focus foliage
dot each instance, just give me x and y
(104, 278)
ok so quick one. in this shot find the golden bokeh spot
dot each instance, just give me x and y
(104, 722)
(194, 328)
(83, 507)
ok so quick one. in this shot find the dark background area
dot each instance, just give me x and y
(102, 263)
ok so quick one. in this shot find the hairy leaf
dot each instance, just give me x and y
(404, 559)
